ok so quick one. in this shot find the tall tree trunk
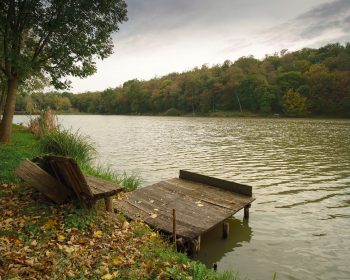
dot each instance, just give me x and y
(6, 123)
(2, 101)
(2, 98)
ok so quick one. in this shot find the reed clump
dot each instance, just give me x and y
(67, 143)
(45, 122)
(52, 139)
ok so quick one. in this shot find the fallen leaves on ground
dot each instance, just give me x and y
(39, 240)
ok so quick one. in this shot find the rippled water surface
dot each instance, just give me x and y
(300, 173)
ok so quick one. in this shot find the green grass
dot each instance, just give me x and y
(130, 182)
(67, 143)
(21, 147)
(81, 148)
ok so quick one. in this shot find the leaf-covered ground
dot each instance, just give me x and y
(40, 240)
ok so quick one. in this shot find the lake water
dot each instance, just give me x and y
(299, 225)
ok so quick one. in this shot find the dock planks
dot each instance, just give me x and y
(199, 206)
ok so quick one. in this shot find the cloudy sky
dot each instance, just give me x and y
(163, 36)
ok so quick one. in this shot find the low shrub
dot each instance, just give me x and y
(62, 142)
(67, 143)
(172, 112)
(45, 122)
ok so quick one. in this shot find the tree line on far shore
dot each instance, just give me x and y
(308, 82)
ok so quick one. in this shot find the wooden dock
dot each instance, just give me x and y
(200, 202)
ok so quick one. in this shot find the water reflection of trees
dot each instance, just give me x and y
(213, 247)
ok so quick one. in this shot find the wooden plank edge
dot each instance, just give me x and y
(215, 182)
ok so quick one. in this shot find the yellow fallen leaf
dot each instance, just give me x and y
(153, 216)
(117, 261)
(9, 220)
(107, 276)
(98, 233)
(61, 238)
(50, 224)
(69, 249)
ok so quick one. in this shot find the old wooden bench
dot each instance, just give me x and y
(88, 189)
(68, 175)
(42, 181)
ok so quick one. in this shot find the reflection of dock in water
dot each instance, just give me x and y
(213, 247)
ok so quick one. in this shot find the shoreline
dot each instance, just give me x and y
(41, 239)
(226, 115)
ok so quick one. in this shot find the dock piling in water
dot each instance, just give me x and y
(225, 230)
(246, 211)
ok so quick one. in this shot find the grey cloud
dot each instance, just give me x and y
(163, 15)
(312, 24)
(328, 10)
(323, 18)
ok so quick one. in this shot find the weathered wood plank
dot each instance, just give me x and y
(219, 183)
(213, 195)
(99, 186)
(68, 171)
(199, 207)
(39, 179)
(162, 221)
(85, 187)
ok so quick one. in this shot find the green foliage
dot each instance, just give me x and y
(249, 85)
(172, 112)
(129, 181)
(294, 104)
(67, 143)
(58, 38)
(52, 39)
(62, 142)
(12, 154)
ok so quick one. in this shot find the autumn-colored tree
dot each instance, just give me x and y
(322, 76)
(294, 104)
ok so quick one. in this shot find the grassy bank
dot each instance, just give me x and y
(40, 240)
(21, 147)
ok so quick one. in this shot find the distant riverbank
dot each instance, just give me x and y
(218, 114)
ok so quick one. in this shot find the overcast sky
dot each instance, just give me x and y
(164, 36)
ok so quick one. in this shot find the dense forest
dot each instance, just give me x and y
(301, 83)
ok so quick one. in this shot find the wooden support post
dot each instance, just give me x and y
(225, 230)
(174, 229)
(215, 266)
(246, 211)
(198, 243)
(194, 246)
(109, 204)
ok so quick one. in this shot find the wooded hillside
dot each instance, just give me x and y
(300, 83)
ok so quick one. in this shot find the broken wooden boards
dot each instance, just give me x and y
(43, 181)
(201, 202)
(67, 182)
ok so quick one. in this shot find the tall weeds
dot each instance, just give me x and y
(58, 141)
(67, 143)
(45, 122)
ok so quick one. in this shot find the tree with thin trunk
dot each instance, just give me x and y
(54, 38)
